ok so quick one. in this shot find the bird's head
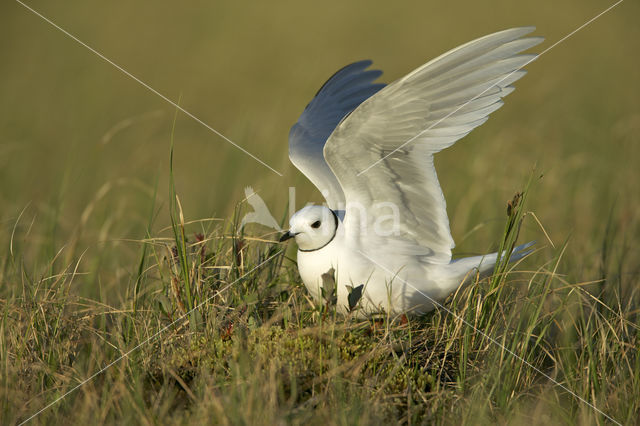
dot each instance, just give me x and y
(313, 227)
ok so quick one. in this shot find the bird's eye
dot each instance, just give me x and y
(316, 224)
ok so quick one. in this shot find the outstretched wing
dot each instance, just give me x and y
(383, 152)
(340, 95)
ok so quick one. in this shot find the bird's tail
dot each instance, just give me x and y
(484, 264)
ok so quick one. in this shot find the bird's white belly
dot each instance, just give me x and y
(408, 289)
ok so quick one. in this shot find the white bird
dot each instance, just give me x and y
(369, 149)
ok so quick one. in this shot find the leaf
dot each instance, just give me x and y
(355, 294)
(195, 320)
(164, 303)
(329, 287)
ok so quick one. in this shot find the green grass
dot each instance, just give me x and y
(119, 223)
(241, 342)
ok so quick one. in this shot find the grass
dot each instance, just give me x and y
(109, 250)
(217, 326)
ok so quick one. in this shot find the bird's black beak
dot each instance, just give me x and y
(287, 235)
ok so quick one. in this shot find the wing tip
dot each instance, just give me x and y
(539, 39)
(354, 67)
(365, 62)
(527, 29)
(512, 33)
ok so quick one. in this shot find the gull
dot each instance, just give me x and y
(368, 147)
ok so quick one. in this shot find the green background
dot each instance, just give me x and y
(82, 145)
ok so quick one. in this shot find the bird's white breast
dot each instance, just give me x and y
(312, 265)
(392, 288)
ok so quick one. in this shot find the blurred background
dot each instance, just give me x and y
(82, 146)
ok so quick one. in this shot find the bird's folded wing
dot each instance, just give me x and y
(382, 153)
(340, 95)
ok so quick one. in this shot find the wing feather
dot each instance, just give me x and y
(392, 136)
(340, 95)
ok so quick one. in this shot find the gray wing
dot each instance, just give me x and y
(340, 95)
(422, 113)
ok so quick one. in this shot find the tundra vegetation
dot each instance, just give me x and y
(121, 251)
